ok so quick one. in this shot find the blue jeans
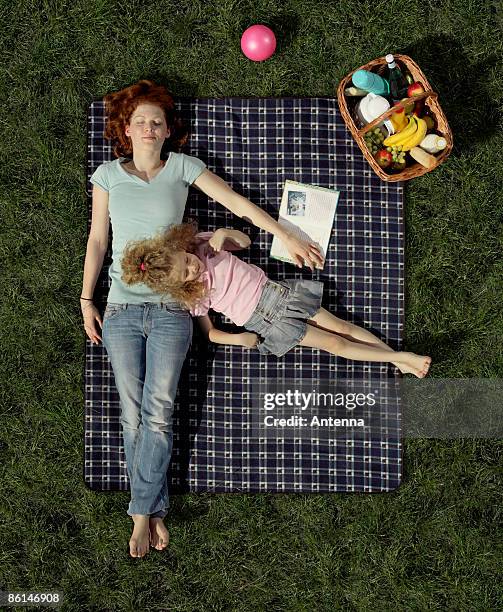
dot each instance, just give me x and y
(147, 345)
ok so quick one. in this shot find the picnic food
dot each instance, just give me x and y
(398, 118)
(407, 140)
(384, 158)
(417, 136)
(433, 143)
(404, 129)
(397, 155)
(404, 134)
(425, 159)
(374, 139)
(411, 136)
(415, 89)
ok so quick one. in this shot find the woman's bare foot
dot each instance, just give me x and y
(159, 536)
(138, 544)
(410, 363)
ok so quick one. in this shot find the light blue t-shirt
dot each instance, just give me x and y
(138, 210)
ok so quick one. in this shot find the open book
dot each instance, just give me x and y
(307, 211)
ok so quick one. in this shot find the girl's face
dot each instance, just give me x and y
(147, 128)
(186, 267)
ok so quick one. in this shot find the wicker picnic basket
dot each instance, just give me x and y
(347, 108)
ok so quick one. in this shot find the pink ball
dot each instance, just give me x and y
(258, 43)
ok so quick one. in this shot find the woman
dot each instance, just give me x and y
(147, 340)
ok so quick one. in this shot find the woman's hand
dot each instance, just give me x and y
(248, 339)
(91, 317)
(303, 251)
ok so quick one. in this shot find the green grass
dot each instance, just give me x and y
(434, 543)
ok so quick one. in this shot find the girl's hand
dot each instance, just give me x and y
(92, 318)
(303, 251)
(217, 241)
(239, 238)
(248, 339)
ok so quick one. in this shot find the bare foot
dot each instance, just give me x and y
(410, 363)
(159, 536)
(138, 544)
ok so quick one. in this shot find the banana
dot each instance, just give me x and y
(403, 135)
(416, 138)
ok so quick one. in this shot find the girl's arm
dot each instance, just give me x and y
(211, 333)
(222, 239)
(229, 240)
(215, 187)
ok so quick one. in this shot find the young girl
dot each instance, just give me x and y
(198, 270)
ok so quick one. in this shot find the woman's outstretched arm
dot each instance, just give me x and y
(216, 188)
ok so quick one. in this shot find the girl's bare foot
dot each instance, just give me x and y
(410, 363)
(159, 536)
(138, 544)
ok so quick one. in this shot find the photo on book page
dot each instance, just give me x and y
(307, 211)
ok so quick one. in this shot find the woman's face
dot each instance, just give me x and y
(147, 128)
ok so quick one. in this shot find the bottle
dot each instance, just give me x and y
(371, 82)
(433, 143)
(398, 84)
(399, 118)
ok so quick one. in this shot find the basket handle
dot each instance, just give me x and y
(390, 111)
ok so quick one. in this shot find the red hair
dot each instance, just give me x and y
(120, 105)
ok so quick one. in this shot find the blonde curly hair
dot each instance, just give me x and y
(156, 253)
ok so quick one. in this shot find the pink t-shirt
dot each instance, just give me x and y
(235, 286)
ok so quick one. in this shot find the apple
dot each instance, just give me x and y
(415, 89)
(384, 158)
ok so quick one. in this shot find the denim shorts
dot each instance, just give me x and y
(281, 313)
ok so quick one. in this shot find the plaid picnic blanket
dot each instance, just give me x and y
(255, 144)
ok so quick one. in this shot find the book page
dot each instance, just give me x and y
(308, 212)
